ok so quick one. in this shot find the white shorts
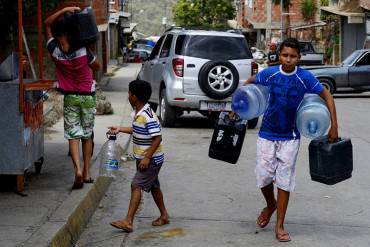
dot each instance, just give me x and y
(276, 163)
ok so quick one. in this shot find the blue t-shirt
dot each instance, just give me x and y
(286, 91)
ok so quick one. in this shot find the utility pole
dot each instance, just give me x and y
(281, 20)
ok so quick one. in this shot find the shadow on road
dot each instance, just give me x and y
(194, 122)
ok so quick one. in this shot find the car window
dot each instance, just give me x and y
(215, 47)
(179, 44)
(156, 48)
(365, 60)
(165, 52)
(305, 47)
(351, 58)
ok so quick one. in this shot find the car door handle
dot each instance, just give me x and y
(190, 65)
(164, 62)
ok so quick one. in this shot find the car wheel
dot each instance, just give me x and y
(218, 79)
(328, 84)
(167, 114)
(252, 123)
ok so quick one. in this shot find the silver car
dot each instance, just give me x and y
(196, 70)
(352, 74)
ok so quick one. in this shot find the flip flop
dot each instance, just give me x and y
(160, 222)
(264, 217)
(89, 181)
(283, 237)
(78, 183)
(122, 225)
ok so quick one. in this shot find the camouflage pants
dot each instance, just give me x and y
(79, 116)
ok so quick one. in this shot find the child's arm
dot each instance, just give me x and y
(333, 132)
(156, 141)
(116, 129)
(51, 19)
(250, 80)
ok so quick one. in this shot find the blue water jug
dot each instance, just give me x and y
(250, 101)
(313, 117)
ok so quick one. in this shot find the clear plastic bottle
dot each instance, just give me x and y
(110, 155)
(313, 117)
(250, 101)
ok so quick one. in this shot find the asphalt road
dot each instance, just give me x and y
(212, 203)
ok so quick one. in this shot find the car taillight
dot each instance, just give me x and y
(178, 66)
(254, 68)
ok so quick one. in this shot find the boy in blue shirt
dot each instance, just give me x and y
(279, 139)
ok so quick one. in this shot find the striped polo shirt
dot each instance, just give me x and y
(145, 126)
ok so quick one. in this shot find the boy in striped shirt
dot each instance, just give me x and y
(147, 138)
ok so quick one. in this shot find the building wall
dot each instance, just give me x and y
(353, 37)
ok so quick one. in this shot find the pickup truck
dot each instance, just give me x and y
(308, 54)
(352, 75)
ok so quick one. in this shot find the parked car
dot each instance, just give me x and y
(197, 70)
(352, 74)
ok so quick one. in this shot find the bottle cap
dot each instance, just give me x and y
(111, 137)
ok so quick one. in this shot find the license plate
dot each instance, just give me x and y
(215, 106)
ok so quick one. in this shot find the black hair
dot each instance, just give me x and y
(141, 89)
(59, 28)
(290, 42)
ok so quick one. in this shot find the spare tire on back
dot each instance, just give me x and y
(218, 79)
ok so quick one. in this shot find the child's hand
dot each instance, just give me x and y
(144, 164)
(113, 130)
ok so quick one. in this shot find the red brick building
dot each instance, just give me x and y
(262, 21)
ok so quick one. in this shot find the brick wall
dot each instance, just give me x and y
(257, 13)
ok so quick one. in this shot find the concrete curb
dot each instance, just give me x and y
(68, 221)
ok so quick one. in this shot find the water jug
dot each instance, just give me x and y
(313, 117)
(250, 101)
(84, 29)
(110, 155)
(330, 163)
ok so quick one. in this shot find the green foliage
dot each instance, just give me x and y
(308, 9)
(324, 2)
(203, 13)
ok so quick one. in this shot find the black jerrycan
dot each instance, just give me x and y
(227, 139)
(83, 24)
(330, 163)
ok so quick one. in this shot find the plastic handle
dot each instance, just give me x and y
(111, 136)
(312, 127)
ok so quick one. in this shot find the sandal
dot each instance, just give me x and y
(89, 181)
(160, 222)
(264, 217)
(123, 225)
(78, 183)
(283, 237)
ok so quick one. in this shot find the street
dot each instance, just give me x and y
(212, 203)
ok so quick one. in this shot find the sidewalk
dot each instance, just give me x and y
(51, 214)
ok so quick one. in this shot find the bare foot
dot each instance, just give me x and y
(78, 183)
(161, 221)
(123, 225)
(264, 217)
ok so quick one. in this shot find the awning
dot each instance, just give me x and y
(318, 24)
(351, 10)
(130, 29)
(264, 25)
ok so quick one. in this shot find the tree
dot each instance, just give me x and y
(308, 9)
(203, 13)
(286, 18)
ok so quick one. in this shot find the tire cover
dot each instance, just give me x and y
(218, 79)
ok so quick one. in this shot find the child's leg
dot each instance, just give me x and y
(282, 205)
(86, 152)
(75, 155)
(285, 181)
(265, 173)
(127, 224)
(158, 199)
(134, 203)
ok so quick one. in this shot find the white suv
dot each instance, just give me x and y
(196, 70)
